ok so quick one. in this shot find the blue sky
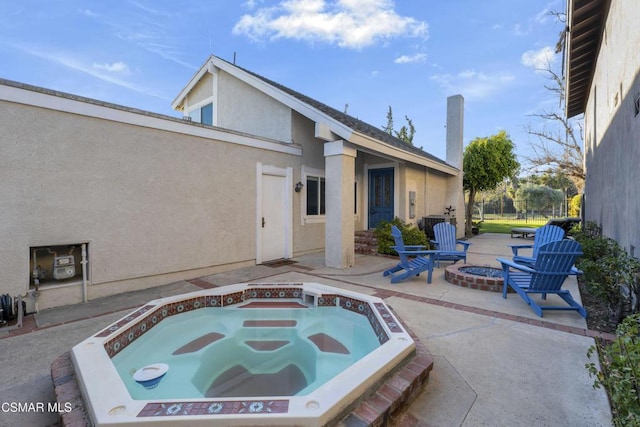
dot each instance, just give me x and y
(367, 54)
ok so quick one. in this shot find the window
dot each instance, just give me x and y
(203, 114)
(315, 195)
(355, 198)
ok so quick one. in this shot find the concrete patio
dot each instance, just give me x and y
(496, 362)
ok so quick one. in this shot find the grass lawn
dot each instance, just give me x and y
(505, 226)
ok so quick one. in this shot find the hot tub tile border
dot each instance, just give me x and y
(214, 407)
(112, 328)
(364, 308)
(266, 291)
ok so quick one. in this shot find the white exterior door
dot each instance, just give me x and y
(274, 221)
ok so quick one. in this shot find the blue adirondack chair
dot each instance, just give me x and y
(544, 234)
(447, 245)
(552, 266)
(414, 259)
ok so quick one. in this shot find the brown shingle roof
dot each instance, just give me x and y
(352, 122)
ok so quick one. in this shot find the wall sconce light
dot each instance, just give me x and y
(299, 186)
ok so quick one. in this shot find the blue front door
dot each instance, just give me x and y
(380, 196)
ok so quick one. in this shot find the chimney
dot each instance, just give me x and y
(455, 128)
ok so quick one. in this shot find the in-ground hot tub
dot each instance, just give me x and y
(247, 354)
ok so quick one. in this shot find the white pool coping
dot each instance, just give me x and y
(109, 403)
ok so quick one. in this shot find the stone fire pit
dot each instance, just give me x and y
(481, 277)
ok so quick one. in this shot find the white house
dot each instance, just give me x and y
(603, 82)
(99, 199)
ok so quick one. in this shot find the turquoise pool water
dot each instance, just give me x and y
(224, 352)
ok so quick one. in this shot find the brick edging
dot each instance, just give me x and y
(394, 395)
(67, 392)
(606, 336)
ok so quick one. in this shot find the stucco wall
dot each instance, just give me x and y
(244, 108)
(153, 205)
(612, 130)
(156, 198)
(303, 131)
(436, 194)
(202, 90)
(430, 187)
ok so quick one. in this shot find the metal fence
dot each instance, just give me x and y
(523, 211)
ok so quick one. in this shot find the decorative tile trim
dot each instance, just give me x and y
(127, 336)
(231, 299)
(253, 291)
(215, 407)
(111, 329)
(273, 293)
(327, 300)
(363, 308)
(388, 318)
(214, 300)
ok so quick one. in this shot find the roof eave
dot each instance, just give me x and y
(586, 20)
(383, 148)
(329, 125)
(177, 103)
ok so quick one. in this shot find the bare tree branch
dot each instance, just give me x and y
(558, 144)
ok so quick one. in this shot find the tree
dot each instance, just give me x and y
(406, 132)
(539, 197)
(558, 144)
(486, 163)
(389, 127)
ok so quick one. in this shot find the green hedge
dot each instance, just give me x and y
(411, 235)
(620, 374)
(610, 273)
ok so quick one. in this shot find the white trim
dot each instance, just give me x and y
(151, 120)
(396, 189)
(326, 125)
(301, 107)
(214, 101)
(382, 149)
(287, 173)
(198, 106)
(339, 148)
(176, 104)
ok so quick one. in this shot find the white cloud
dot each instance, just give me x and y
(88, 12)
(116, 67)
(497, 27)
(251, 4)
(543, 16)
(472, 84)
(408, 59)
(73, 63)
(539, 59)
(348, 23)
(519, 31)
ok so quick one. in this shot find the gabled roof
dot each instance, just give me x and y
(343, 125)
(586, 21)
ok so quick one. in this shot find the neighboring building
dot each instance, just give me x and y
(603, 82)
(99, 199)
